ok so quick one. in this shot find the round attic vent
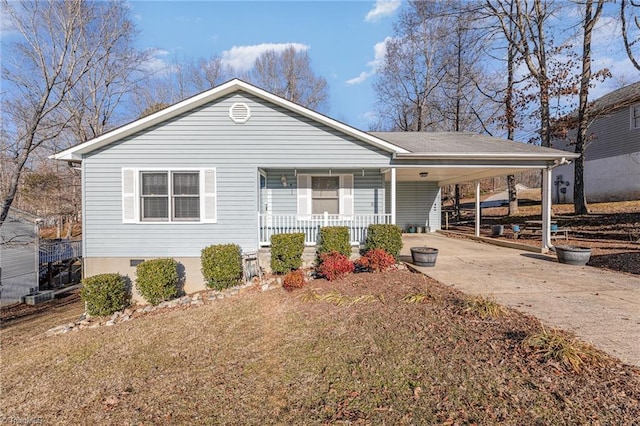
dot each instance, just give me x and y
(239, 112)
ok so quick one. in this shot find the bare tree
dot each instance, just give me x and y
(629, 41)
(591, 17)
(289, 74)
(413, 68)
(530, 19)
(179, 80)
(60, 44)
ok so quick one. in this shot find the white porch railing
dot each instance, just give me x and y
(271, 224)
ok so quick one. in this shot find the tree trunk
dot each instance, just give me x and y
(456, 206)
(513, 195)
(579, 197)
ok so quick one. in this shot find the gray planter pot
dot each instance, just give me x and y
(424, 256)
(497, 230)
(573, 255)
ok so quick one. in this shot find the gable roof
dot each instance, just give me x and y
(620, 98)
(465, 145)
(75, 153)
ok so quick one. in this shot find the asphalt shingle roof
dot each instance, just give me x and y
(457, 142)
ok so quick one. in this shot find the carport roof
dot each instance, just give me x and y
(457, 143)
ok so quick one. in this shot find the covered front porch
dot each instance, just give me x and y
(303, 200)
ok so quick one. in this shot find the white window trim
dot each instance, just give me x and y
(138, 192)
(341, 192)
(633, 118)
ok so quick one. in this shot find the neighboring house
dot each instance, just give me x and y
(19, 257)
(237, 164)
(612, 156)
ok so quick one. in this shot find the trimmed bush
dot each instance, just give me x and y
(157, 280)
(335, 238)
(293, 279)
(286, 252)
(104, 294)
(386, 237)
(335, 265)
(222, 265)
(377, 260)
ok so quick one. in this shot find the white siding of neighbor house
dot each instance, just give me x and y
(607, 179)
(417, 203)
(18, 260)
(609, 136)
(273, 138)
(612, 160)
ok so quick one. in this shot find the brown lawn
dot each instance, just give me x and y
(393, 348)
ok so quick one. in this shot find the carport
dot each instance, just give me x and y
(453, 157)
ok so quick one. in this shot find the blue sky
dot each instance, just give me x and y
(344, 39)
(340, 38)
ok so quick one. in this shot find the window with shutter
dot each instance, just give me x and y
(321, 193)
(152, 196)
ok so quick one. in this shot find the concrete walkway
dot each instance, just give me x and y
(600, 307)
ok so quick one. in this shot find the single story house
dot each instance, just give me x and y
(19, 256)
(237, 164)
(612, 154)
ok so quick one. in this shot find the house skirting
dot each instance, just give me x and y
(188, 269)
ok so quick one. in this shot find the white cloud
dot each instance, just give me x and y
(379, 50)
(381, 9)
(241, 58)
(157, 62)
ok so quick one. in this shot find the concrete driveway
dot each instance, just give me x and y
(600, 307)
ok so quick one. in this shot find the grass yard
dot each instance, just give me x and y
(393, 348)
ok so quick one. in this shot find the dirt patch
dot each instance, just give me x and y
(393, 348)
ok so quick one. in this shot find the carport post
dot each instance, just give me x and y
(546, 208)
(478, 211)
(393, 195)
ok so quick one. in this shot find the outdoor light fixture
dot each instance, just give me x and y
(283, 179)
(424, 174)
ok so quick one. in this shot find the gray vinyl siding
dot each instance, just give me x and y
(206, 138)
(368, 190)
(18, 260)
(611, 135)
(417, 203)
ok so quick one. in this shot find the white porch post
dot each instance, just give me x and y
(546, 208)
(478, 208)
(393, 195)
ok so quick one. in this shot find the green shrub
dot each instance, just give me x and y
(286, 252)
(294, 279)
(104, 294)
(157, 280)
(386, 237)
(334, 238)
(222, 265)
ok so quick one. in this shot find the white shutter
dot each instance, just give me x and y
(208, 196)
(304, 194)
(129, 196)
(346, 195)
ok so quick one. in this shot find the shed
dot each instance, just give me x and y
(19, 256)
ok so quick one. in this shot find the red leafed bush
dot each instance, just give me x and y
(334, 265)
(377, 260)
(294, 279)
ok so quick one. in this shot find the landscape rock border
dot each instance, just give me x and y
(205, 297)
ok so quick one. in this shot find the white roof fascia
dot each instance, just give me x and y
(75, 153)
(485, 155)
